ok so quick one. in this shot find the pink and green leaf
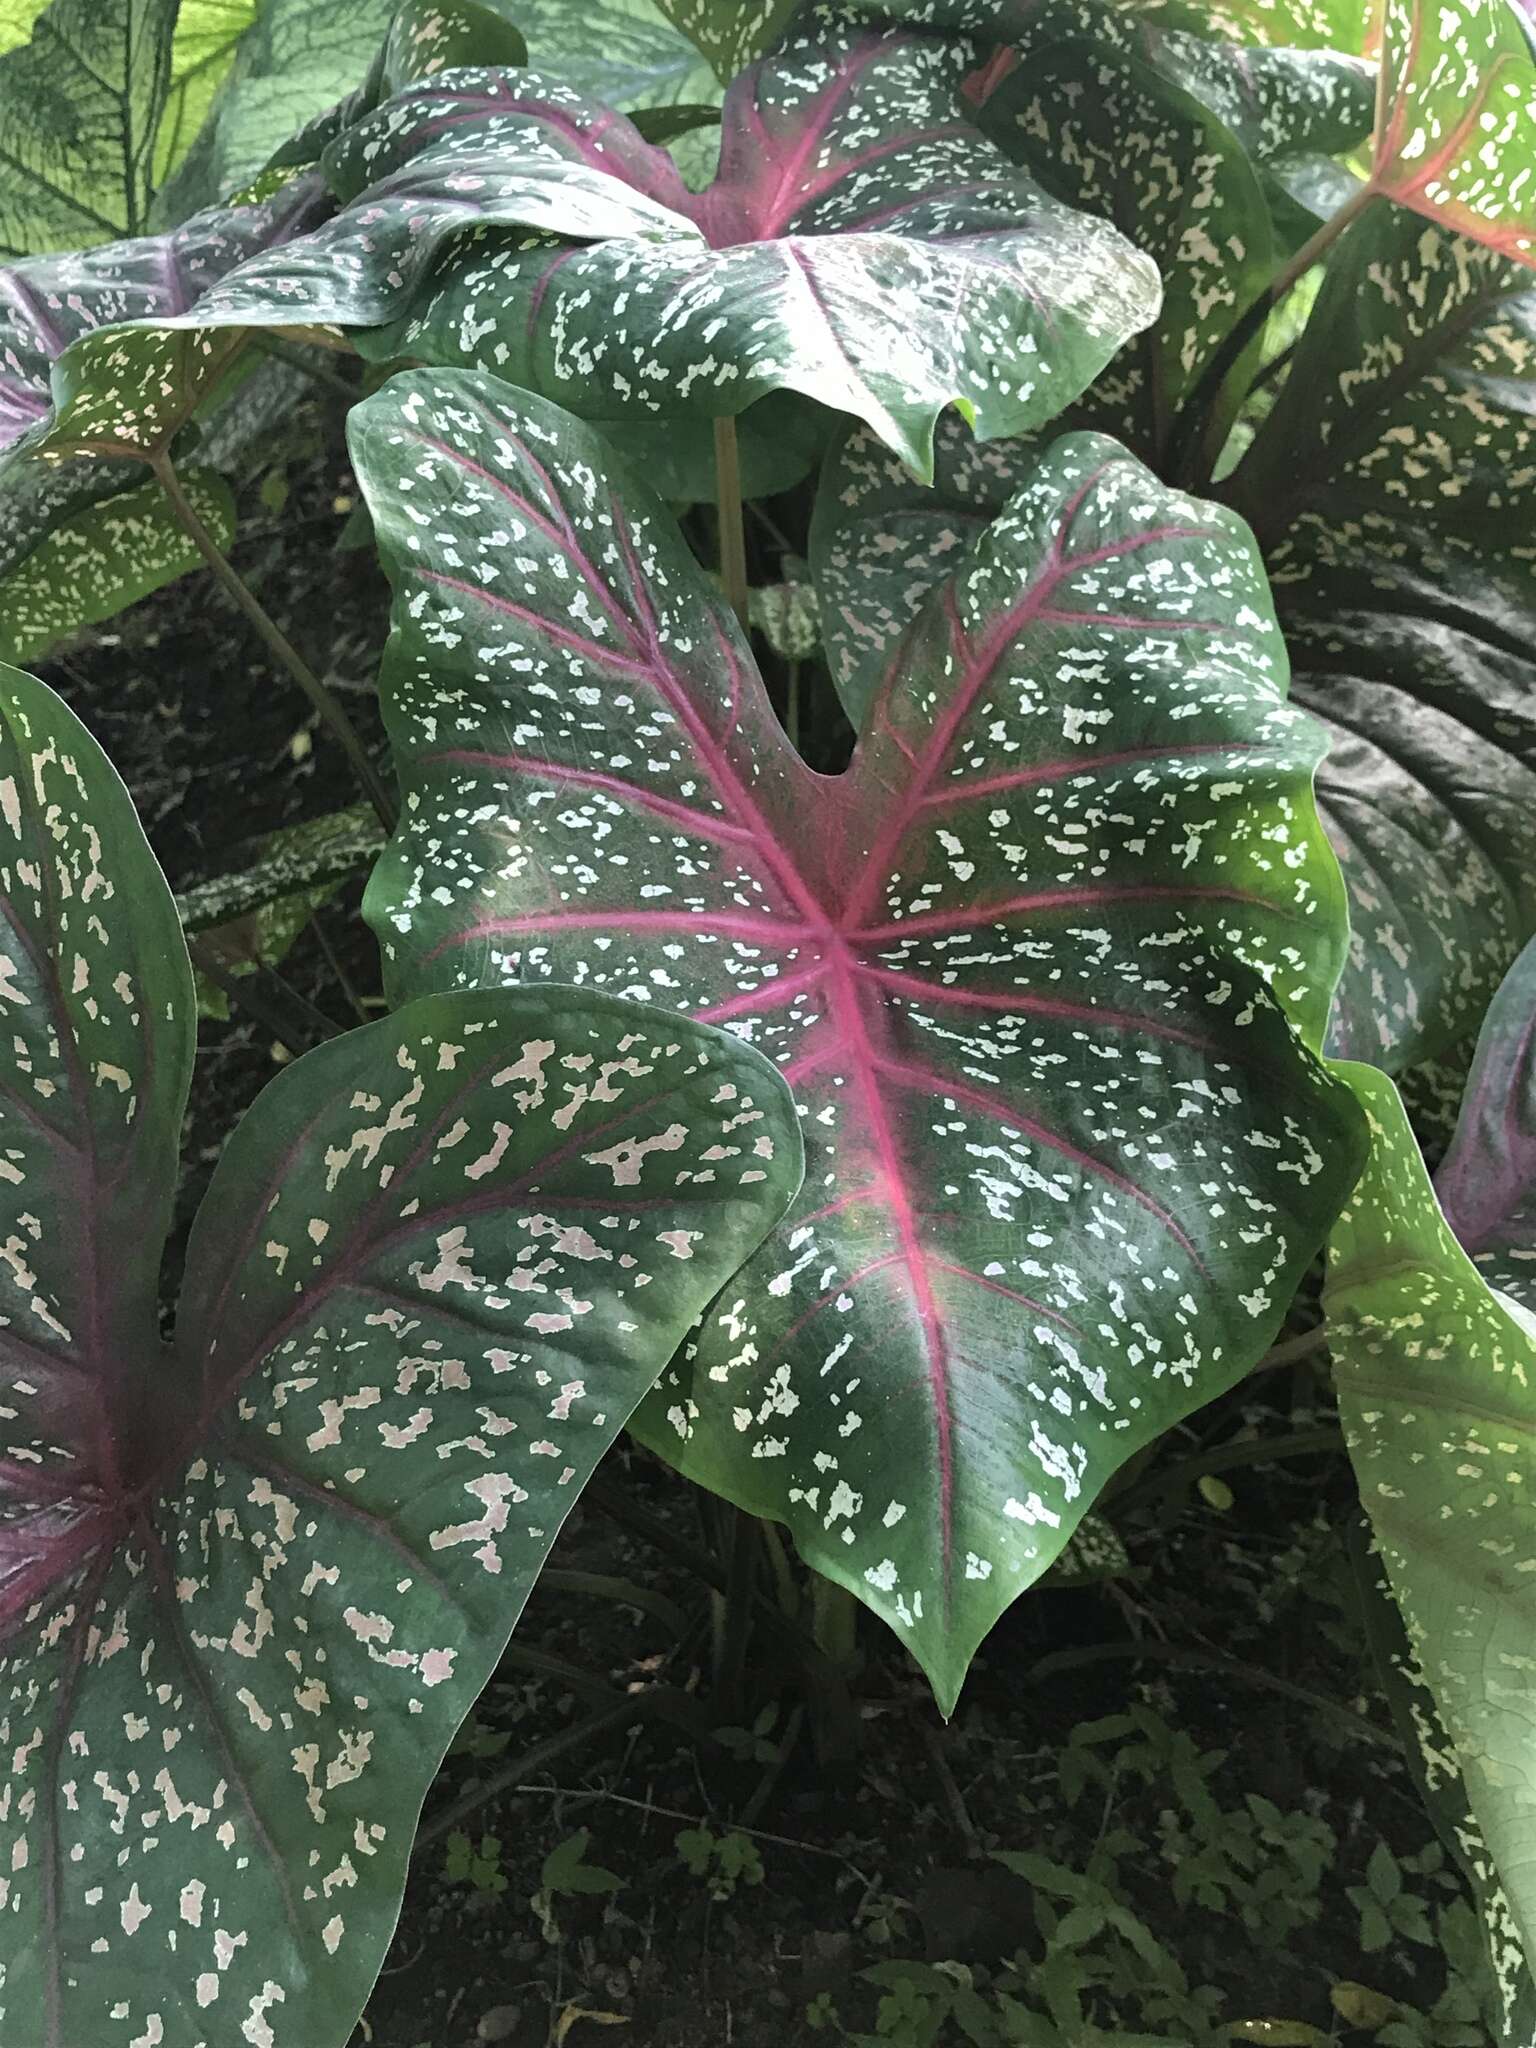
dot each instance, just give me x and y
(251, 1582)
(862, 244)
(1039, 1222)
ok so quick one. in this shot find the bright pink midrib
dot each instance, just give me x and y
(854, 1031)
(765, 212)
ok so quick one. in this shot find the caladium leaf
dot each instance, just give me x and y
(1487, 1179)
(1415, 654)
(1436, 1381)
(731, 33)
(70, 384)
(862, 245)
(250, 1585)
(1037, 1224)
(1096, 121)
(1457, 136)
(1411, 388)
(82, 101)
(1494, 1949)
(623, 52)
(102, 558)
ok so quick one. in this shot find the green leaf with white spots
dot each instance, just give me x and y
(1436, 1382)
(1412, 644)
(1457, 136)
(1102, 127)
(251, 1582)
(1495, 1942)
(730, 33)
(1067, 1160)
(624, 52)
(73, 383)
(100, 560)
(1393, 485)
(80, 102)
(862, 245)
(1326, 25)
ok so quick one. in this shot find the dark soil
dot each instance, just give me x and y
(875, 1843)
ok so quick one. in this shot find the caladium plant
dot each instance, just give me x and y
(861, 244)
(1041, 1221)
(251, 1580)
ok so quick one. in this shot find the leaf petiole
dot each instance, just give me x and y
(1188, 459)
(733, 539)
(277, 642)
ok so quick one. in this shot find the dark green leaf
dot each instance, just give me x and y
(1080, 769)
(862, 245)
(251, 1583)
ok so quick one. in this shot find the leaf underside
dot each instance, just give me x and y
(1038, 1222)
(1434, 1374)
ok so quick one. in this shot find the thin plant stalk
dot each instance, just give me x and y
(1184, 451)
(277, 642)
(733, 538)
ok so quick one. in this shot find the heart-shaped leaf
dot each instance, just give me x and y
(250, 1584)
(1040, 1221)
(1436, 1379)
(82, 100)
(862, 244)
(100, 559)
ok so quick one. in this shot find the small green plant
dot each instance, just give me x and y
(723, 1864)
(1387, 1909)
(566, 1874)
(475, 1862)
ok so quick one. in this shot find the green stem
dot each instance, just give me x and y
(1184, 448)
(277, 642)
(734, 1631)
(835, 1622)
(284, 352)
(733, 538)
(1258, 1450)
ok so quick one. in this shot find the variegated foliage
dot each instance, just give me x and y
(1414, 650)
(862, 244)
(251, 1581)
(1436, 1380)
(1176, 139)
(1067, 1160)
(731, 33)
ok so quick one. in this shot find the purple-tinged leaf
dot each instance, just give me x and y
(1487, 1179)
(1067, 1160)
(250, 1583)
(862, 244)
(130, 401)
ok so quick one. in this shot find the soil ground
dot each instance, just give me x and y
(1249, 1657)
